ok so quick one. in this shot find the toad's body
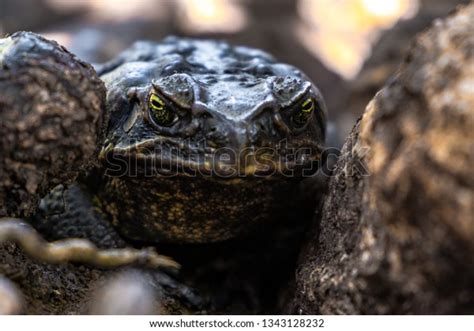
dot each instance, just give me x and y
(199, 139)
(199, 142)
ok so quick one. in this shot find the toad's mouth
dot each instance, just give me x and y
(154, 157)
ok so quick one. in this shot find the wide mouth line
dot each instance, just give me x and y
(166, 156)
(203, 146)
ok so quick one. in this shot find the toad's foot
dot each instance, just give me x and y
(77, 250)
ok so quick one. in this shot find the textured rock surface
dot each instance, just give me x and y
(49, 104)
(396, 233)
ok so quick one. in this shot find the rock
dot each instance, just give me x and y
(396, 231)
(11, 299)
(49, 105)
(128, 293)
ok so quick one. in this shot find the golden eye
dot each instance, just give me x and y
(161, 113)
(304, 112)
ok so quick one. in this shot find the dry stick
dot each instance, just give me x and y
(77, 250)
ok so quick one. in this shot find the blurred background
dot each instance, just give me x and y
(347, 47)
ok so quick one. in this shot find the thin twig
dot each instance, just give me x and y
(77, 250)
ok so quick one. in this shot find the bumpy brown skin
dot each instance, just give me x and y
(226, 99)
(188, 219)
(50, 102)
(400, 240)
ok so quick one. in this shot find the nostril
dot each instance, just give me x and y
(262, 127)
(212, 129)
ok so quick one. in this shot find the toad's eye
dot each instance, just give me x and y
(160, 112)
(304, 112)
